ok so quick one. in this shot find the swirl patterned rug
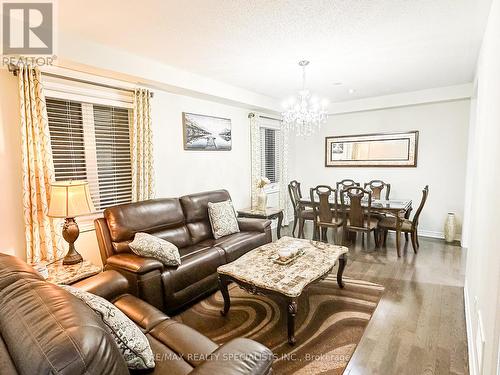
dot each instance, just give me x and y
(329, 324)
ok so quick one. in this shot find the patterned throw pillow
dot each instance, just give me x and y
(132, 343)
(146, 245)
(222, 218)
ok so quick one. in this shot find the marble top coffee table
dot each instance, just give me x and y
(258, 272)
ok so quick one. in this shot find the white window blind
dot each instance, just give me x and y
(270, 143)
(91, 142)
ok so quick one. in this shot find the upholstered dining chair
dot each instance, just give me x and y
(406, 225)
(356, 204)
(326, 212)
(376, 187)
(300, 212)
(344, 184)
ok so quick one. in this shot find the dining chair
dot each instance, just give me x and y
(300, 212)
(376, 187)
(406, 225)
(356, 204)
(344, 184)
(326, 212)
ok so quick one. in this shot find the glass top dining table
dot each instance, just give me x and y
(392, 206)
(400, 208)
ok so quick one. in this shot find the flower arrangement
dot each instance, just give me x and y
(262, 196)
(262, 182)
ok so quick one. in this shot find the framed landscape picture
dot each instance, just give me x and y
(206, 133)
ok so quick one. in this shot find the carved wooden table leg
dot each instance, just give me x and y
(291, 311)
(280, 222)
(301, 228)
(224, 281)
(399, 222)
(340, 272)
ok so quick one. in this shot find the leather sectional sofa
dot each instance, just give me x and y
(184, 222)
(46, 330)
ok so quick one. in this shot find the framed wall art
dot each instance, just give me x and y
(206, 133)
(372, 150)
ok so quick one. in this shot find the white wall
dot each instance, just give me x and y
(180, 172)
(11, 218)
(482, 285)
(441, 156)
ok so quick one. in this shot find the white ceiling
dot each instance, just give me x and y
(376, 47)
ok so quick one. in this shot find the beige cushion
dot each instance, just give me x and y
(148, 246)
(222, 219)
(336, 222)
(132, 343)
(372, 224)
(307, 214)
(389, 222)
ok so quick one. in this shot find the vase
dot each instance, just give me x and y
(261, 200)
(450, 228)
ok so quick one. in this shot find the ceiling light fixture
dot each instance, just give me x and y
(306, 113)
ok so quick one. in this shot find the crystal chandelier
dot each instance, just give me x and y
(306, 113)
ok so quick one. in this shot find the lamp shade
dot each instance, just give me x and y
(70, 199)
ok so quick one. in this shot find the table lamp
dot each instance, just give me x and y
(69, 199)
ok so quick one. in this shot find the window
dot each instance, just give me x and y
(270, 140)
(91, 142)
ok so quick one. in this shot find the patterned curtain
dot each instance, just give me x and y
(43, 239)
(255, 155)
(141, 148)
(284, 198)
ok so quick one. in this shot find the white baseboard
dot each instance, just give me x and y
(435, 234)
(431, 234)
(498, 358)
(470, 342)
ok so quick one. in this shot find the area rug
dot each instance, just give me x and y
(329, 324)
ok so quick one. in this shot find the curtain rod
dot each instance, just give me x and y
(14, 70)
(252, 114)
(270, 118)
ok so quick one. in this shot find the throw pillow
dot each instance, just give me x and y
(132, 343)
(222, 219)
(146, 245)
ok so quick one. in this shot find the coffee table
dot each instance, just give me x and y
(258, 272)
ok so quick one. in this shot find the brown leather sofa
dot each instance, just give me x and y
(184, 222)
(46, 330)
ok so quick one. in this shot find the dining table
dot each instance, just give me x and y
(399, 208)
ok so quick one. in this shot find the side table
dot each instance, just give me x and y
(70, 274)
(270, 213)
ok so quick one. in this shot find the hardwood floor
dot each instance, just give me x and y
(419, 325)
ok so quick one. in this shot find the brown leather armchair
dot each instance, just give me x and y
(184, 222)
(46, 330)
